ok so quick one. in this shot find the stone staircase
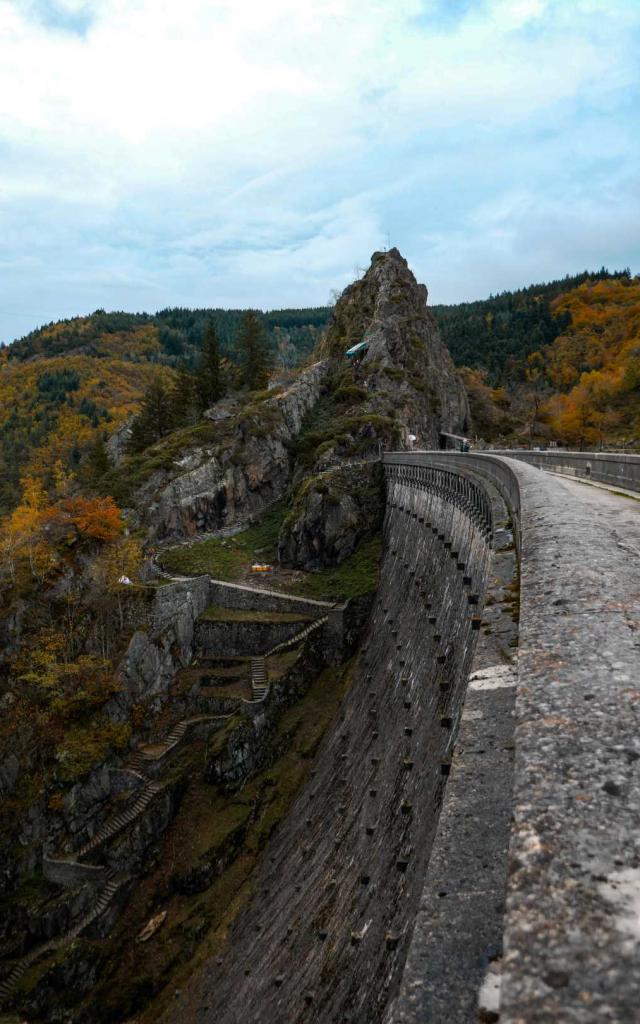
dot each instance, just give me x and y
(121, 820)
(111, 828)
(140, 760)
(19, 969)
(137, 764)
(259, 679)
(299, 637)
(259, 674)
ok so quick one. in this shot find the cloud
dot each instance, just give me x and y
(250, 153)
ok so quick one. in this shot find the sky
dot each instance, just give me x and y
(254, 153)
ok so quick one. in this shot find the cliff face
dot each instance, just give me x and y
(336, 411)
(404, 384)
(406, 360)
(331, 514)
(245, 468)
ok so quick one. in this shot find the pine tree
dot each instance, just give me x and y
(98, 461)
(210, 386)
(155, 418)
(185, 398)
(253, 351)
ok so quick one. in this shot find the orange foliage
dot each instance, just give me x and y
(113, 380)
(32, 535)
(97, 518)
(595, 364)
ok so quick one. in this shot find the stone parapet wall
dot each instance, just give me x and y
(612, 468)
(573, 876)
(234, 595)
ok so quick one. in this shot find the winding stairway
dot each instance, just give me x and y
(103, 901)
(259, 672)
(137, 765)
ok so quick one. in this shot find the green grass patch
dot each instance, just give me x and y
(356, 576)
(226, 559)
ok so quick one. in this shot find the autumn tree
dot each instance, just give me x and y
(23, 538)
(253, 352)
(486, 404)
(97, 518)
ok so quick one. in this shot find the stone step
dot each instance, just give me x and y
(104, 899)
(121, 820)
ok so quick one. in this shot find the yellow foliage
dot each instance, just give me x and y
(113, 379)
(596, 363)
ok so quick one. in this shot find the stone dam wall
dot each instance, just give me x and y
(344, 922)
(611, 468)
(327, 932)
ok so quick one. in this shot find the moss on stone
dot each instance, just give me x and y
(356, 576)
(216, 613)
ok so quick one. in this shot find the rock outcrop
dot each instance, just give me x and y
(331, 514)
(401, 385)
(240, 473)
(406, 361)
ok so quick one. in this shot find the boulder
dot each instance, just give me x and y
(332, 513)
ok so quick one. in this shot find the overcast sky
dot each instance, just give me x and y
(255, 152)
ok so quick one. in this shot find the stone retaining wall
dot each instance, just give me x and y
(233, 595)
(221, 639)
(156, 654)
(71, 873)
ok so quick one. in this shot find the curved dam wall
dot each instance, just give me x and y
(571, 932)
(329, 934)
(326, 934)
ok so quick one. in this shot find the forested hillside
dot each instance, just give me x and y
(68, 383)
(582, 389)
(497, 334)
(179, 333)
(550, 359)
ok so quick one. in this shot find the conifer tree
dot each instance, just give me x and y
(210, 386)
(253, 351)
(155, 418)
(98, 461)
(185, 398)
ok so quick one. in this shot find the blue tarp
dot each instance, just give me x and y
(353, 351)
